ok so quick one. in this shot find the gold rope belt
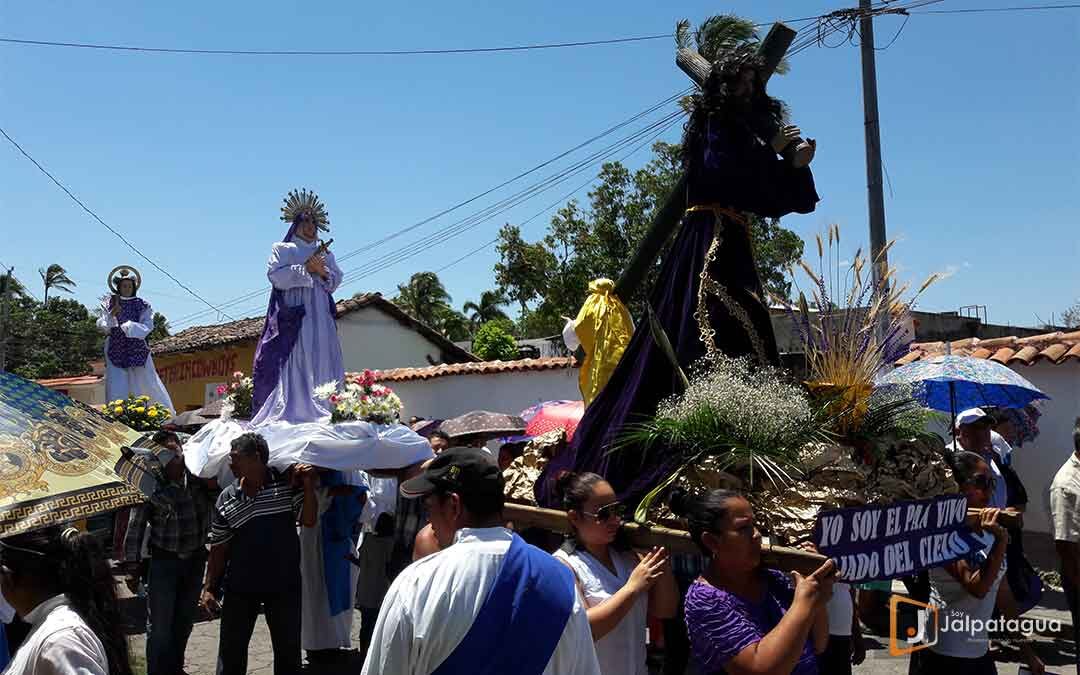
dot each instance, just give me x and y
(718, 210)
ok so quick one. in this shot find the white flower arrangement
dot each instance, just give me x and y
(361, 398)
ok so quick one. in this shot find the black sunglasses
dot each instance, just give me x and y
(607, 512)
(983, 482)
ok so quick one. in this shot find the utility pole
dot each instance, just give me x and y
(875, 196)
(5, 290)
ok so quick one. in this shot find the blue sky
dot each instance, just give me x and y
(189, 156)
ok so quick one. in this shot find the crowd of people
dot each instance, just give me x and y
(484, 600)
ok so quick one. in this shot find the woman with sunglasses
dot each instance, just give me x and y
(59, 582)
(618, 590)
(968, 587)
(741, 617)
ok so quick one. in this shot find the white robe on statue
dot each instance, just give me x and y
(139, 380)
(319, 630)
(316, 357)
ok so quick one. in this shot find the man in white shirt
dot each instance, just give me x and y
(1065, 528)
(973, 433)
(487, 602)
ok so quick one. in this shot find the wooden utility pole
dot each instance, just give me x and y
(875, 196)
(6, 282)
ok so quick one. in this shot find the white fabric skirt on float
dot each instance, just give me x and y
(347, 446)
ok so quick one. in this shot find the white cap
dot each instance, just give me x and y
(970, 416)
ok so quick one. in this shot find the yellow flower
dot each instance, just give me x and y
(118, 410)
(152, 412)
(140, 410)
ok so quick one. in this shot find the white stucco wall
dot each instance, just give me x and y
(90, 394)
(1038, 461)
(453, 395)
(371, 339)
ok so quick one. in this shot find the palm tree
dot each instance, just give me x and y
(488, 309)
(423, 298)
(55, 276)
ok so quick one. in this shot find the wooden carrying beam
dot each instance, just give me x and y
(675, 541)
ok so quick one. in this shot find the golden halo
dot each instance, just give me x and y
(124, 271)
(301, 200)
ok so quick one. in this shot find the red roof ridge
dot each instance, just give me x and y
(1056, 347)
(474, 368)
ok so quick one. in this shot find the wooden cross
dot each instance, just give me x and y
(697, 67)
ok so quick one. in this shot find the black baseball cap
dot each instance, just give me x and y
(461, 470)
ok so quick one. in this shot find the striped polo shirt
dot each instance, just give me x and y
(264, 551)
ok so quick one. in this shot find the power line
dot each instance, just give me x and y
(106, 225)
(337, 52)
(459, 227)
(357, 52)
(557, 202)
(982, 10)
(368, 247)
(500, 207)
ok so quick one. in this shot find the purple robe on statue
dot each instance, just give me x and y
(736, 171)
(299, 349)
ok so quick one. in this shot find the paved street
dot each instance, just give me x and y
(1055, 650)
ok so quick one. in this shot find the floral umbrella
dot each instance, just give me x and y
(950, 383)
(60, 460)
(551, 415)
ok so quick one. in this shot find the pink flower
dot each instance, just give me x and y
(238, 375)
(221, 390)
(333, 398)
(234, 386)
(364, 398)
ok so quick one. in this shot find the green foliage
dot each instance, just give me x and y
(161, 328)
(55, 276)
(494, 343)
(489, 308)
(425, 299)
(60, 341)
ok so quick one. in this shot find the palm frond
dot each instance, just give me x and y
(662, 341)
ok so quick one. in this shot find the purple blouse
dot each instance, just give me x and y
(722, 624)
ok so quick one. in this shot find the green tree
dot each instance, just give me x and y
(453, 324)
(55, 276)
(58, 342)
(488, 308)
(494, 343)
(161, 328)
(424, 298)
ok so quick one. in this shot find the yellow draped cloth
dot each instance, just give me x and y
(604, 328)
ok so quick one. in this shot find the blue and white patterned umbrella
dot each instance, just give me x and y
(952, 383)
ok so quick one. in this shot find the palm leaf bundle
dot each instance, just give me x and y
(861, 327)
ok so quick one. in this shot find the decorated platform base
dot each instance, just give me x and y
(345, 446)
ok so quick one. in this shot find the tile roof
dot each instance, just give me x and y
(1054, 348)
(63, 382)
(482, 368)
(219, 335)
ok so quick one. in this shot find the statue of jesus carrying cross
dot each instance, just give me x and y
(739, 157)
